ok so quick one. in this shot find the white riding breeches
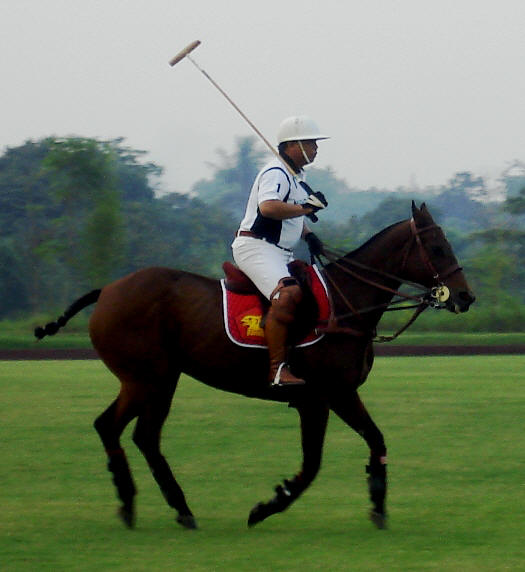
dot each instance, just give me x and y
(263, 262)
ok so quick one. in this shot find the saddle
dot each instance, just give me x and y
(244, 307)
(236, 280)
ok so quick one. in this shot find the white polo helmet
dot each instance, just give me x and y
(299, 128)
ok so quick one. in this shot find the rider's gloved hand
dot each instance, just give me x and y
(316, 199)
(315, 246)
(313, 202)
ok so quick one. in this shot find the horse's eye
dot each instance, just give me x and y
(438, 251)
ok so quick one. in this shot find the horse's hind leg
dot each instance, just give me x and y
(110, 425)
(314, 418)
(147, 438)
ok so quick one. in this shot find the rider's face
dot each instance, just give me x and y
(310, 150)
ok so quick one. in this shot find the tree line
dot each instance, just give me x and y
(76, 213)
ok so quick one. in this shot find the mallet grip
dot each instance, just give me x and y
(183, 53)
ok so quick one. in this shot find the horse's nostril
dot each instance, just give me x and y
(467, 297)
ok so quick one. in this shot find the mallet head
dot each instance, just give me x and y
(183, 53)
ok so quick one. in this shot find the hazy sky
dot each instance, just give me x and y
(410, 90)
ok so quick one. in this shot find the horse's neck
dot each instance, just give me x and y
(383, 253)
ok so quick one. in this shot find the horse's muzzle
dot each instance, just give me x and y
(460, 302)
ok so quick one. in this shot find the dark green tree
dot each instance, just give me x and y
(84, 183)
(516, 205)
(459, 203)
(26, 226)
(136, 178)
(233, 178)
(389, 211)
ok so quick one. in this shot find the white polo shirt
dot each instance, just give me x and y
(274, 182)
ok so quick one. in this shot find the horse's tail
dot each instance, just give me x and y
(52, 328)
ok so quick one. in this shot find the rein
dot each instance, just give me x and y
(431, 297)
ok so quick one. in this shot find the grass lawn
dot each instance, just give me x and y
(454, 428)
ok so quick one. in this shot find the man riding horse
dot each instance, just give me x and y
(272, 226)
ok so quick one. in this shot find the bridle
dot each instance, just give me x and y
(416, 233)
(433, 297)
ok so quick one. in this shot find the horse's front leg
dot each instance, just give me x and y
(352, 410)
(314, 418)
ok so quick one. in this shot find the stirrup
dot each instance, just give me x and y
(277, 379)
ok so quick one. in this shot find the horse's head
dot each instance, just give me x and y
(430, 261)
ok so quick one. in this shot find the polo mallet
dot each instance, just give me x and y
(185, 53)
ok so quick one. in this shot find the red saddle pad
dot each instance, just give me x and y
(243, 314)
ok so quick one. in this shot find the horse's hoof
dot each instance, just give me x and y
(127, 515)
(255, 515)
(187, 521)
(379, 519)
(258, 513)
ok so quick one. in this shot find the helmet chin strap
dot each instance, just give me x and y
(306, 158)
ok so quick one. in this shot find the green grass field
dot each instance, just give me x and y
(454, 427)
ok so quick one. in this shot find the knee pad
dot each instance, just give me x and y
(287, 285)
(285, 299)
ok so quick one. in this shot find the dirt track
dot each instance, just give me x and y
(380, 350)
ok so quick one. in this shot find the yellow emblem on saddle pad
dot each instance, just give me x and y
(253, 323)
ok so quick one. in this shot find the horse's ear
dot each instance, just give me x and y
(425, 211)
(415, 210)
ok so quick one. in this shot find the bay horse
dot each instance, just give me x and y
(154, 324)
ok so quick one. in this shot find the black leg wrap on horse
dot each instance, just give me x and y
(285, 495)
(118, 466)
(172, 491)
(170, 488)
(377, 485)
(126, 490)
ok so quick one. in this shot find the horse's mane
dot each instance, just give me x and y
(357, 251)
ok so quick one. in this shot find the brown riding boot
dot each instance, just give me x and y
(279, 318)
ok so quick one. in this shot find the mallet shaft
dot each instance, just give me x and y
(185, 54)
(242, 114)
